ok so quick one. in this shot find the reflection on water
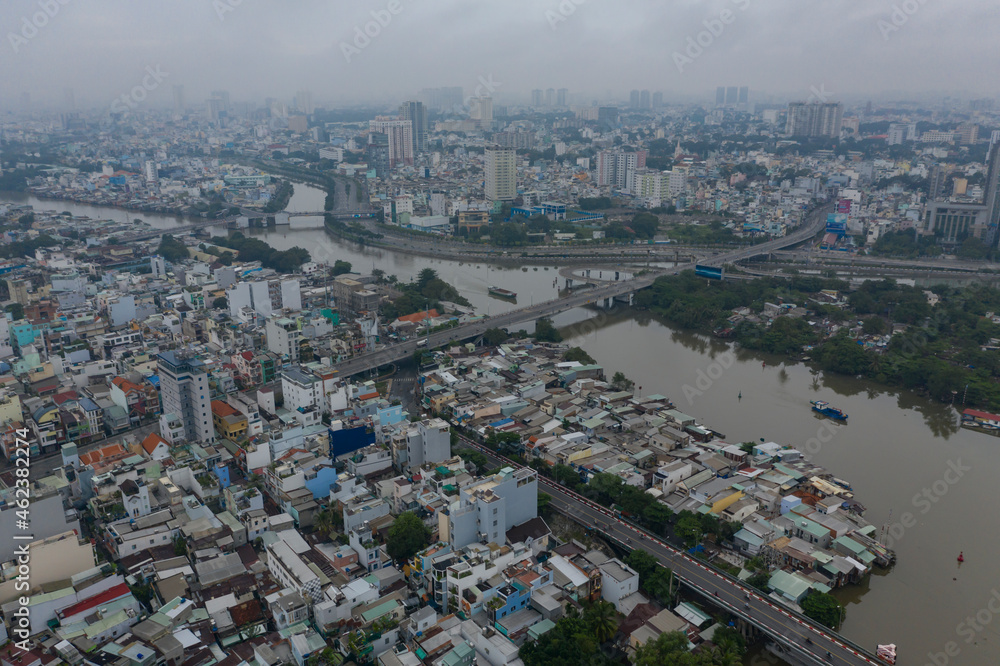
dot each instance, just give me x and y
(897, 444)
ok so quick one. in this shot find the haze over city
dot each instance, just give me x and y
(597, 49)
(509, 333)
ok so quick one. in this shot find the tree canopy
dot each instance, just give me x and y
(407, 536)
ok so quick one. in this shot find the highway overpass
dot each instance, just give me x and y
(600, 295)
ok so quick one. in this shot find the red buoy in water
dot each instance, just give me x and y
(961, 556)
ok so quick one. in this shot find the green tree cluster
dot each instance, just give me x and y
(253, 249)
(425, 293)
(545, 331)
(407, 536)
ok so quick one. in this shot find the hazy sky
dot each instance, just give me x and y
(595, 48)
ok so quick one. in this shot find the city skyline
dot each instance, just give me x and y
(261, 50)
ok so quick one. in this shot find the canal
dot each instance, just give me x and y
(929, 482)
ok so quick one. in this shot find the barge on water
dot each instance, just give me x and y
(503, 293)
(825, 409)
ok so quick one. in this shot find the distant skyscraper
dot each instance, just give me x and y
(179, 99)
(992, 195)
(501, 173)
(720, 96)
(416, 114)
(482, 110)
(814, 120)
(550, 97)
(378, 153)
(442, 99)
(657, 100)
(634, 98)
(732, 95)
(185, 394)
(608, 116)
(645, 102)
(223, 97)
(744, 95)
(400, 133)
(304, 102)
(562, 96)
(536, 97)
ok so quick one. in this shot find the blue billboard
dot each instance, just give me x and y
(708, 271)
(836, 223)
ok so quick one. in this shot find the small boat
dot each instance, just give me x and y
(502, 293)
(825, 409)
(887, 653)
(961, 556)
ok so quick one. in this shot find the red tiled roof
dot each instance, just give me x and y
(151, 442)
(104, 597)
(220, 408)
(419, 316)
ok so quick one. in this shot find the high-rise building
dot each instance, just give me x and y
(417, 115)
(608, 116)
(616, 168)
(223, 97)
(378, 153)
(657, 100)
(536, 97)
(645, 100)
(814, 120)
(400, 133)
(634, 98)
(744, 95)
(550, 97)
(185, 394)
(150, 172)
(482, 110)
(968, 134)
(562, 97)
(501, 173)
(304, 102)
(179, 99)
(732, 95)
(897, 134)
(992, 195)
(442, 99)
(720, 96)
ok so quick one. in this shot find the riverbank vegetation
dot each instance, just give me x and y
(253, 249)
(424, 293)
(282, 195)
(940, 341)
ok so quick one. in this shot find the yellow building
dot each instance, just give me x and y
(229, 423)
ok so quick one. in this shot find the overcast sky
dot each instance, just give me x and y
(598, 49)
